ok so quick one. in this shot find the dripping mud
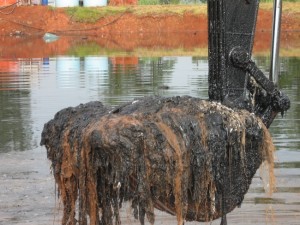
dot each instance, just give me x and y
(190, 158)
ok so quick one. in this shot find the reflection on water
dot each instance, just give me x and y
(37, 88)
(285, 130)
(33, 90)
(15, 115)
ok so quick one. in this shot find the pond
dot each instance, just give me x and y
(33, 87)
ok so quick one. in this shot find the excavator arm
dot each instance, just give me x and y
(234, 78)
(231, 24)
(232, 73)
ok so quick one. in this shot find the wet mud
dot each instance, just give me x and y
(188, 157)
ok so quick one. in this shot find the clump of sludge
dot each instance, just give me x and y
(188, 157)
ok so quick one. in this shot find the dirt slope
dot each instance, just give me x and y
(128, 30)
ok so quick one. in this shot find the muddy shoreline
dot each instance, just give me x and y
(22, 32)
(27, 197)
(37, 20)
(148, 45)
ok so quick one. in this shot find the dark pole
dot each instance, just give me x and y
(216, 52)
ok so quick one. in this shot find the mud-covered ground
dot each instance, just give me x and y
(27, 197)
(27, 189)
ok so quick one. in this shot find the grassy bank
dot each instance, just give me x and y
(91, 15)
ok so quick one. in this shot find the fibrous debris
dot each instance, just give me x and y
(191, 158)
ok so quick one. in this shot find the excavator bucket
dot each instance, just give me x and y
(191, 158)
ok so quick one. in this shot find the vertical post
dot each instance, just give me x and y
(275, 64)
(216, 53)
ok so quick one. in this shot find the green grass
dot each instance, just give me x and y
(145, 10)
(85, 15)
(287, 6)
(148, 2)
(93, 48)
(84, 50)
(92, 15)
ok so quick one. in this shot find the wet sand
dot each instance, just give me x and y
(27, 193)
(27, 196)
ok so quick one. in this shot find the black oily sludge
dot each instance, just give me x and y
(191, 158)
